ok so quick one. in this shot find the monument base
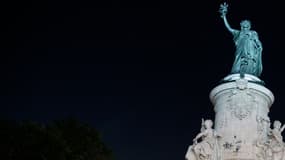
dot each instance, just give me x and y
(248, 77)
(242, 127)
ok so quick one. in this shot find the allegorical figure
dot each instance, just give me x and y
(248, 47)
(207, 148)
(276, 144)
(276, 131)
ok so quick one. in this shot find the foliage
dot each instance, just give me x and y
(61, 140)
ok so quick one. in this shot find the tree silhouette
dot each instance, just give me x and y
(67, 139)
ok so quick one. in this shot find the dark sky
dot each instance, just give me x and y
(139, 71)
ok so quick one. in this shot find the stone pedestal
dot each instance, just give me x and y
(241, 119)
(242, 126)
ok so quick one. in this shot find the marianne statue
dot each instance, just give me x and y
(248, 47)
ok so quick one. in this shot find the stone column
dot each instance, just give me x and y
(241, 108)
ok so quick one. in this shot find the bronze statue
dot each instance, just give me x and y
(248, 47)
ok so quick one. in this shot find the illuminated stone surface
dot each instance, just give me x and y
(242, 129)
(242, 126)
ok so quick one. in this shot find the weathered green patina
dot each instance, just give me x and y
(248, 47)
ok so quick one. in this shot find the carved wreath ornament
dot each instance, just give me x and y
(241, 104)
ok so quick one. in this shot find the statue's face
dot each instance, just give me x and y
(277, 124)
(245, 25)
(208, 124)
(245, 28)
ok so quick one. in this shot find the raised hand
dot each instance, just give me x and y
(223, 9)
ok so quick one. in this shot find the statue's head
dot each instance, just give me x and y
(208, 123)
(277, 124)
(245, 25)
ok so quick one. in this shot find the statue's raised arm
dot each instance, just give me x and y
(224, 10)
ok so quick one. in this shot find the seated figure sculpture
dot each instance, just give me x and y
(276, 144)
(273, 147)
(207, 148)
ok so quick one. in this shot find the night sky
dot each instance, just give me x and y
(139, 71)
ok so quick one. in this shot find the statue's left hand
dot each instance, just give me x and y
(223, 9)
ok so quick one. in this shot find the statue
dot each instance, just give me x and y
(276, 131)
(272, 148)
(248, 47)
(276, 144)
(207, 148)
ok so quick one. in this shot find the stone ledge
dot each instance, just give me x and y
(241, 84)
